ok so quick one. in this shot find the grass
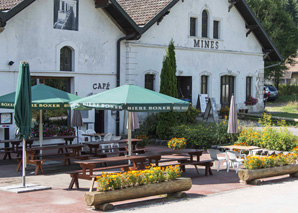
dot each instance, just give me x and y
(288, 109)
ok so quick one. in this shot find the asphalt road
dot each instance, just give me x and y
(277, 197)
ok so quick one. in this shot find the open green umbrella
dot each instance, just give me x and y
(133, 99)
(22, 109)
(43, 97)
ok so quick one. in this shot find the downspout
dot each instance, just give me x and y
(130, 36)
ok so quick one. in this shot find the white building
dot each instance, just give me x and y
(97, 45)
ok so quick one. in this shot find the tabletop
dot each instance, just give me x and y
(110, 159)
(94, 134)
(240, 147)
(54, 147)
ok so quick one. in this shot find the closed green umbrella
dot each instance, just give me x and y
(22, 109)
(43, 97)
(133, 99)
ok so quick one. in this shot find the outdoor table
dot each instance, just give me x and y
(76, 149)
(15, 143)
(95, 145)
(89, 165)
(68, 139)
(232, 147)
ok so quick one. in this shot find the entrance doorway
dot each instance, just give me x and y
(184, 84)
(227, 89)
(99, 121)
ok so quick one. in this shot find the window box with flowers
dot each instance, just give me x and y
(250, 101)
(137, 184)
(270, 166)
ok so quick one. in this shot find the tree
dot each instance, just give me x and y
(281, 28)
(168, 86)
(168, 78)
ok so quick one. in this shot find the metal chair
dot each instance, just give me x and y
(213, 155)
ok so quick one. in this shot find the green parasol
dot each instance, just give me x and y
(22, 110)
(133, 99)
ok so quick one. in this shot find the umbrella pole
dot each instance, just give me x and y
(129, 133)
(24, 163)
(40, 130)
(77, 135)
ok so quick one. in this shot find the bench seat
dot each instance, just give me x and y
(207, 163)
(77, 174)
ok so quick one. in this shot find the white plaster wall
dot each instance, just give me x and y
(30, 36)
(237, 54)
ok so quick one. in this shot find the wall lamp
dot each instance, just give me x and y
(10, 63)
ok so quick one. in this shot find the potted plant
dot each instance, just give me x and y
(144, 142)
(224, 111)
(177, 143)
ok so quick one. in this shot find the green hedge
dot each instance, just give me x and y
(284, 89)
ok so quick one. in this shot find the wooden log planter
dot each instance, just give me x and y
(101, 200)
(252, 176)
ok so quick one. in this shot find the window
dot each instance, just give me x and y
(227, 89)
(215, 29)
(193, 24)
(204, 24)
(204, 84)
(66, 59)
(248, 86)
(149, 81)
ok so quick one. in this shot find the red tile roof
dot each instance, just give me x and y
(142, 11)
(8, 4)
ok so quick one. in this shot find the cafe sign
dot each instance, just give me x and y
(206, 44)
(105, 86)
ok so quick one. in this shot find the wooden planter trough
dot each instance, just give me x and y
(101, 200)
(251, 176)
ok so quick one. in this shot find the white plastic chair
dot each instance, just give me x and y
(234, 159)
(115, 145)
(91, 131)
(107, 137)
(213, 155)
(81, 137)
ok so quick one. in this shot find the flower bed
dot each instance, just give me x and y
(51, 130)
(263, 167)
(108, 182)
(137, 184)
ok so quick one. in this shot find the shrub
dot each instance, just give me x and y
(224, 111)
(249, 136)
(284, 89)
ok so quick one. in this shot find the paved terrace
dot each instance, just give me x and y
(60, 199)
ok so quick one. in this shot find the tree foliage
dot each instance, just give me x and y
(280, 25)
(168, 86)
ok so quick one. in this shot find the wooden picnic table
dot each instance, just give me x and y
(241, 148)
(95, 145)
(15, 146)
(33, 157)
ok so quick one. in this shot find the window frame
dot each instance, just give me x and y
(204, 84)
(150, 81)
(216, 31)
(193, 32)
(226, 80)
(248, 86)
(205, 18)
(68, 67)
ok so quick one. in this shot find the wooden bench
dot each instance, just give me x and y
(207, 163)
(80, 174)
(49, 157)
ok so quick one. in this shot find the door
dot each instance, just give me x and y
(227, 89)
(184, 84)
(99, 121)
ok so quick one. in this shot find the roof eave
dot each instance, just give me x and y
(5, 16)
(251, 17)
